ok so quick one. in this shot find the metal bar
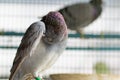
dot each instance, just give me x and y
(95, 36)
(8, 47)
(77, 35)
(96, 48)
(75, 48)
(11, 33)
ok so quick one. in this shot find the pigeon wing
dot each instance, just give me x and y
(28, 44)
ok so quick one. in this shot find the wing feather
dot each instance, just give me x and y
(28, 43)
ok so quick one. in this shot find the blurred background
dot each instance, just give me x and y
(97, 52)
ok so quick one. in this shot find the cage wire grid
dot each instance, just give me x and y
(97, 52)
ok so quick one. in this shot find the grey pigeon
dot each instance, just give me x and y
(42, 44)
(80, 15)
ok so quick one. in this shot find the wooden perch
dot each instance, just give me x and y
(84, 77)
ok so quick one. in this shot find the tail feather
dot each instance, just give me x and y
(18, 76)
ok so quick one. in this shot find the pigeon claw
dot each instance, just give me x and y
(29, 77)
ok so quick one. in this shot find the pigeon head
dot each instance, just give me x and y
(56, 29)
(96, 2)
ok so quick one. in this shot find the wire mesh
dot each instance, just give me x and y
(97, 52)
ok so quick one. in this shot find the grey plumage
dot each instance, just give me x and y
(40, 46)
(80, 15)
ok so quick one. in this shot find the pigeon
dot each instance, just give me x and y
(40, 47)
(80, 15)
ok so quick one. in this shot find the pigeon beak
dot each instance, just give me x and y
(44, 33)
